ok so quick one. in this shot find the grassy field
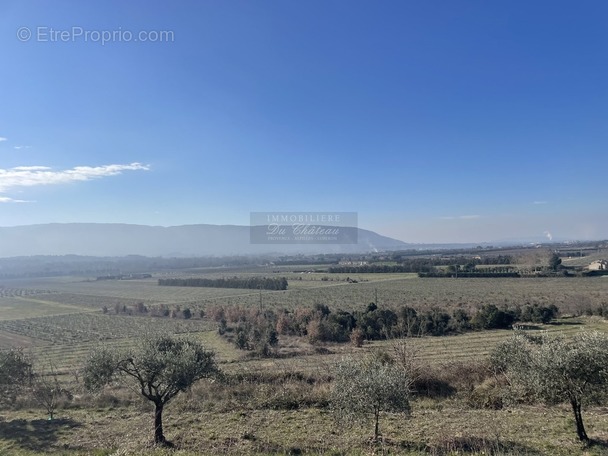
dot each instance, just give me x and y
(436, 428)
(21, 307)
(59, 321)
(391, 290)
(62, 315)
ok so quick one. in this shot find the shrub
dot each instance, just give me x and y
(491, 317)
(357, 337)
(488, 395)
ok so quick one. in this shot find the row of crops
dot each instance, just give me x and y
(93, 301)
(570, 294)
(75, 328)
(6, 292)
(65, 315)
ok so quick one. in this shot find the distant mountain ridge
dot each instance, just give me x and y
(114, 239)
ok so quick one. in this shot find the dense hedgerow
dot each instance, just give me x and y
(254, 283)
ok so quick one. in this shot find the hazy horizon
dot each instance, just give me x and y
(514, 238)
(435, 123)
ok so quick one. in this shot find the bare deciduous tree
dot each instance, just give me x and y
(47, 390)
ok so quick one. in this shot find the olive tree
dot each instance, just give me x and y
(557, 370)
(15, 373)
(365, 388)
(159, 368)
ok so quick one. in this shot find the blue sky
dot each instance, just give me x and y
(438, 121)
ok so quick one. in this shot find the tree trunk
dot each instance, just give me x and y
(159, 437)
(377, 417)
(578, 417)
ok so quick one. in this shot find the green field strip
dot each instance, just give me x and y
(18, 308)
(72, 309)
(392, 291)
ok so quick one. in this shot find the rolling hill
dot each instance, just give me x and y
(109, 239)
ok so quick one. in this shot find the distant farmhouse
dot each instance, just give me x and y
(598, 265)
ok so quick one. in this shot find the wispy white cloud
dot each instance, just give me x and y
(21, 147)
(2, 138)
(6, 199)
(31, 176)
(460, 217)
(30, 168)
(539, 202)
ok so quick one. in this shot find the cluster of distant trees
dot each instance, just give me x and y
(254, 283)
(601, 310)
(421, 264)
(493, 273)
(257, 330)
(380, 268)
(140, 275)
(163, 310)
